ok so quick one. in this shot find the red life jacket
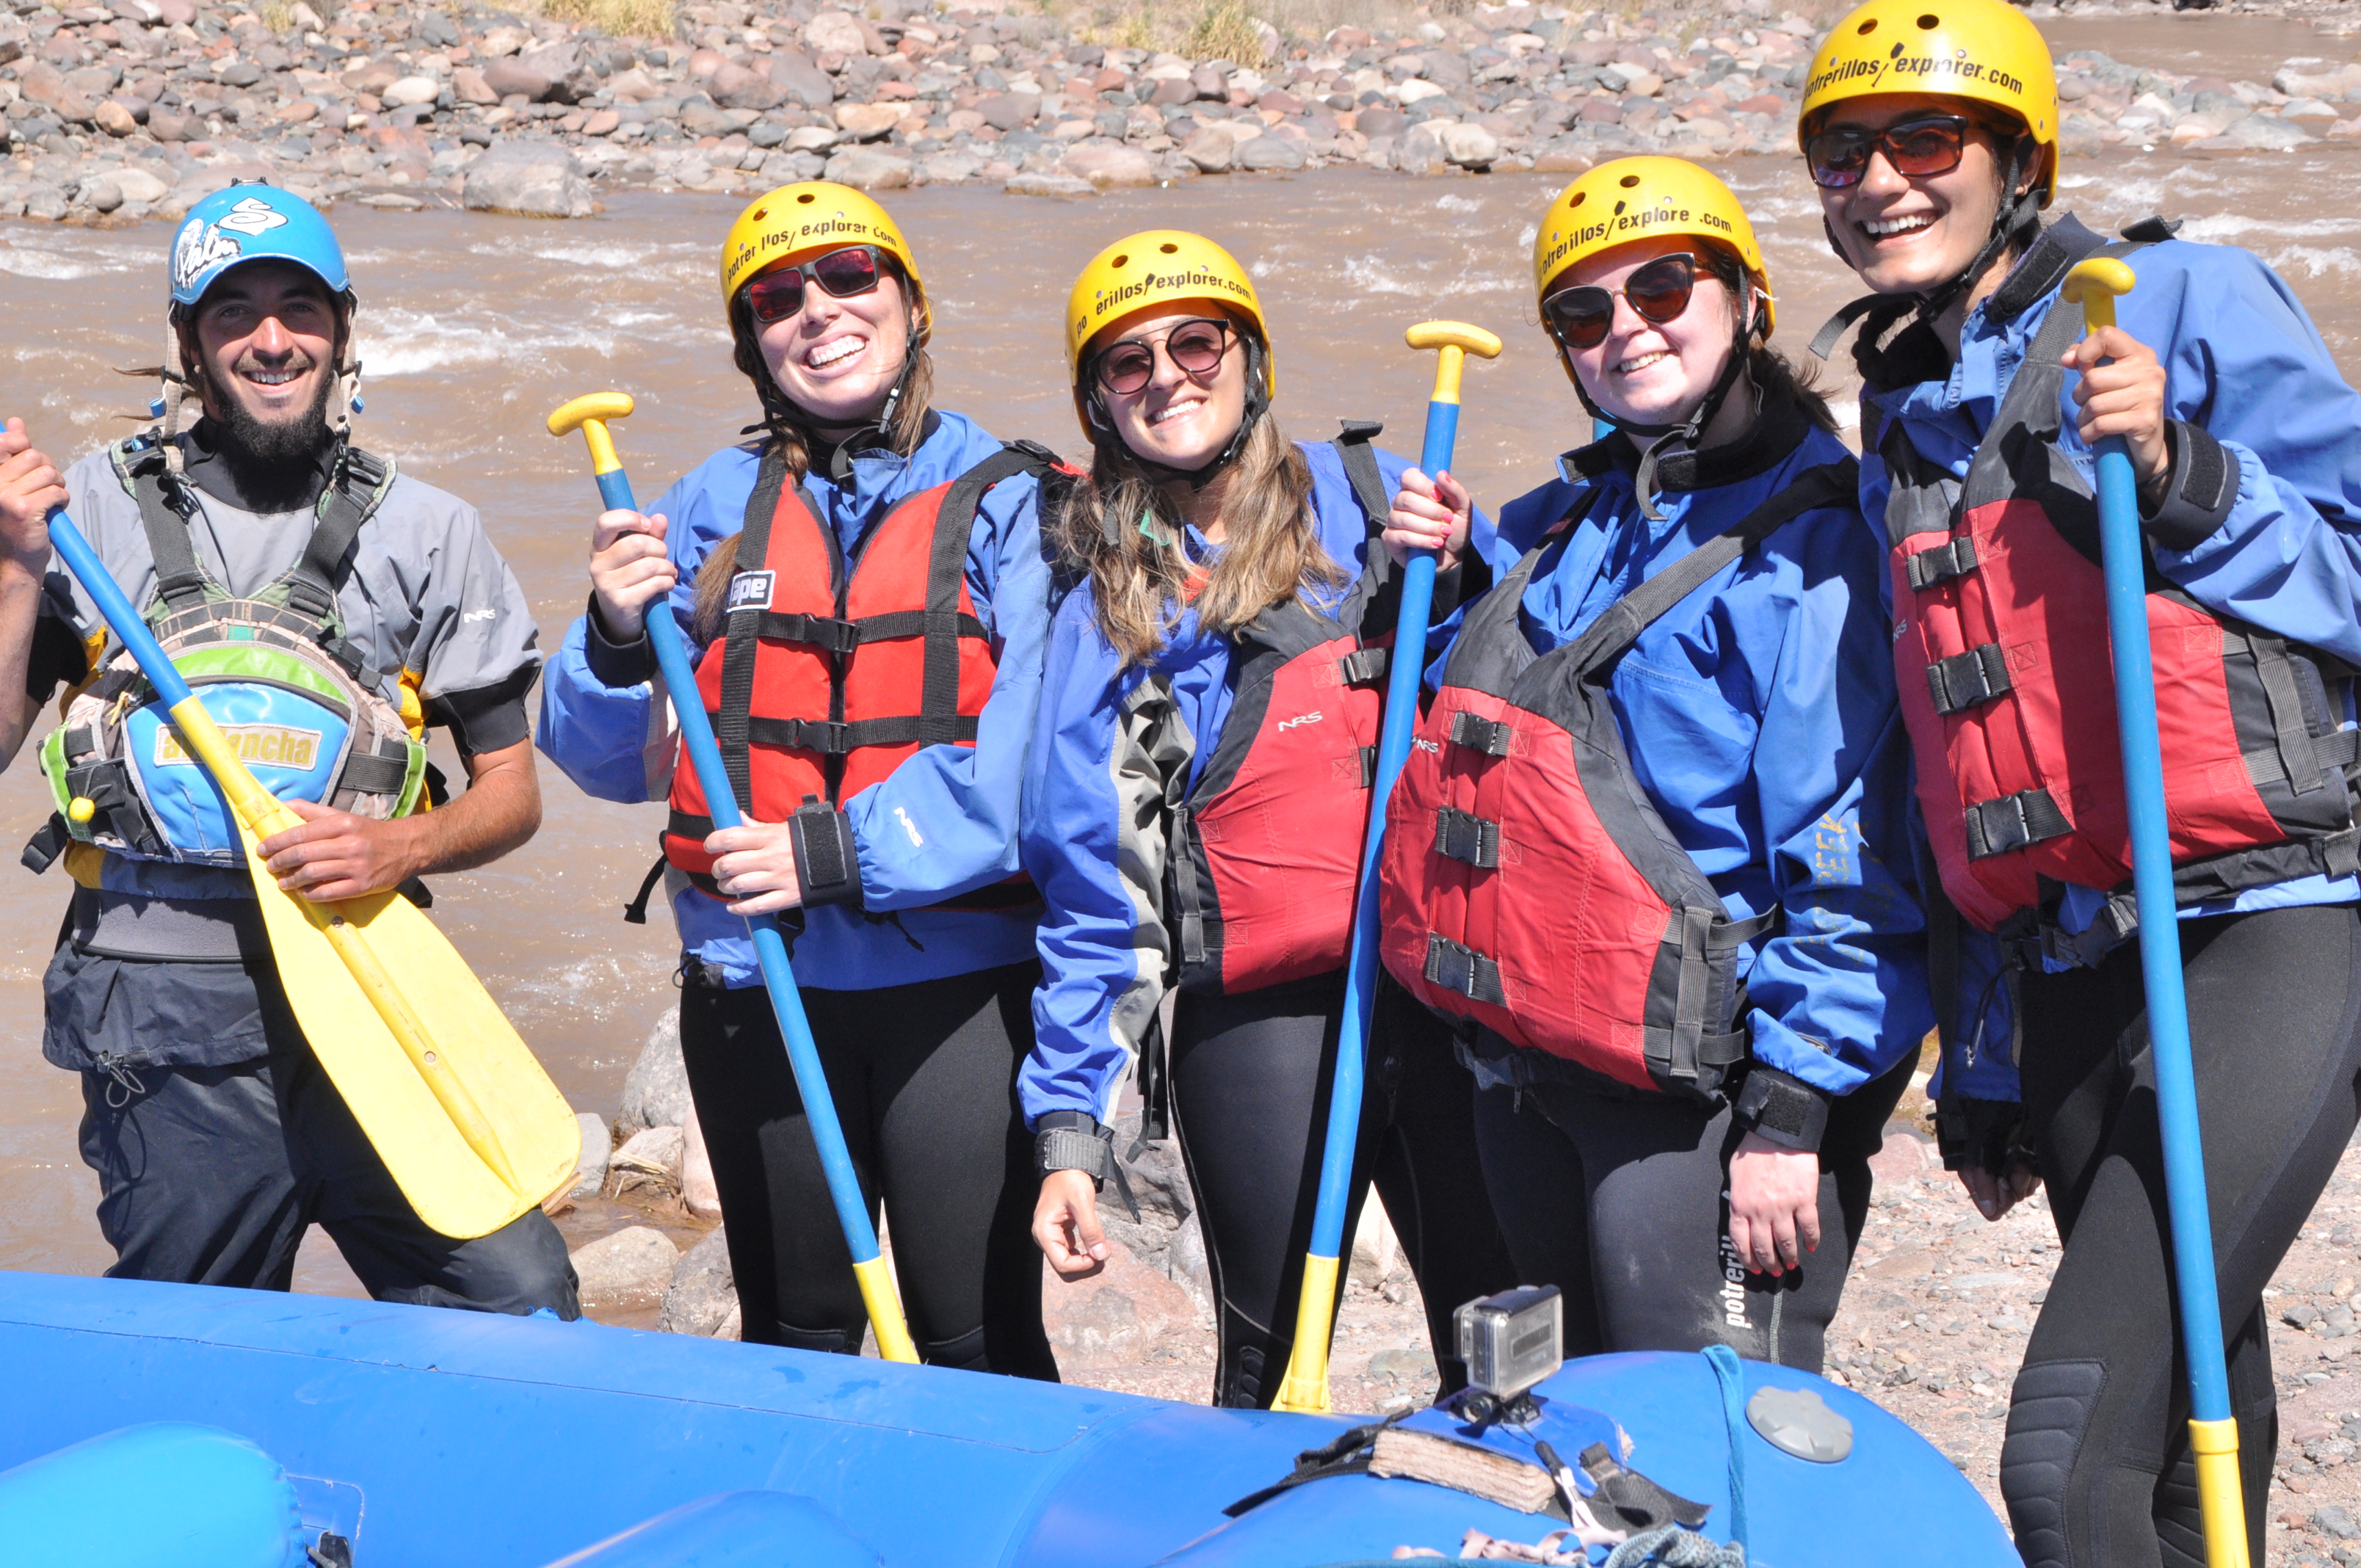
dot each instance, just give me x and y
(2002, 655)
(829, 674)
(1530, 885)
(1266, 851)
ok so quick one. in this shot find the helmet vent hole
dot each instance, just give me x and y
(1168, 249)
(1867, 27)
(758, 214)
(1579, 197)
(1629, 180)
(807, 197)
(1120, 261)
(1929, 22)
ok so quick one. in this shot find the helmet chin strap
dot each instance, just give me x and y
(1197, 478)
(777, 405)
(1669, 437)
(2018, 209)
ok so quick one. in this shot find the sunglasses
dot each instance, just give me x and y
(779, 293)
(1194, 347)
(1839, 156)
(1660, 292)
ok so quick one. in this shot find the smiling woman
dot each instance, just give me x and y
(1199, 794)
(866, 587)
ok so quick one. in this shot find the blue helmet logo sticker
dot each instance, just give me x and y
(202, 248)
(252, 216)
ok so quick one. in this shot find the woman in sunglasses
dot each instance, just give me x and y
(865, 586)
(1983, 399)
(1195, 806)
(1649, 848)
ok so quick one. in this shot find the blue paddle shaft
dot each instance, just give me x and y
(2159, 932)
(770, 948)
(115, 610)
(1361, 964)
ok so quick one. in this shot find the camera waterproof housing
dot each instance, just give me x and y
(1512, 1340)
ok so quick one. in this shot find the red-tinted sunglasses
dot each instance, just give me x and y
(1581, 317)
(779, 293)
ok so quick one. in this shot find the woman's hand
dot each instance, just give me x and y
(1996, 1195)
(1775, 1204)
(2125, 398)
(629, 570)
(754, 864)
(1066, 1224)
(1429, 514)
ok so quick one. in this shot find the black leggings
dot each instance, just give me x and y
(2096, 1467)
(924, 1080)
(1251, 1076)
(1622, 1203)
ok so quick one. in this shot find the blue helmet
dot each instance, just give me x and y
(253, 222)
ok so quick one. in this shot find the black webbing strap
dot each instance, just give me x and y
(356, 490)
(1360, 461)
(2012, 822)
(1462, 836)
(840, 737)
(1604, 641)
(374, 773)
(1464, 970)
(1491, 736)
(636, 912)
(941, 625)
(2291, 735)
(1944, 562)
(1366, 667)
(743, 629)
(1702, 934)
(1184, 887)
(180, 580)
(1967, 680)
(1368, 766)
(2340, 749)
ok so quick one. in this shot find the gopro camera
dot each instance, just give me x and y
(1512, 1340)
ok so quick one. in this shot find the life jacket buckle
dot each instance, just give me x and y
(1477, 733)
(1460, 836)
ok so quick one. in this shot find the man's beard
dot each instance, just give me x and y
(276, 465)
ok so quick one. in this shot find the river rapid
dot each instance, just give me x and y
(473, 327)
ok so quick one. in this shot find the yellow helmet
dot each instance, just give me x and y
(1982, 50)
(1643, 198)
(794, 221)
(1157, 267)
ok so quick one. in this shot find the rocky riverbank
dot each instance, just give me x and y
(117, 111)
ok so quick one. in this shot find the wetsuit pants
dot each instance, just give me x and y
(2095, 1468)
(1251, 1078)
(1621, 1200)
(210, 1176)
(924, 1080)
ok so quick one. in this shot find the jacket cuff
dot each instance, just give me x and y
(616, 664)
(1986, 1134)
(2199, 487)
(1782, 1108)
(488, 718)
(1072, 1140)
(828, 862)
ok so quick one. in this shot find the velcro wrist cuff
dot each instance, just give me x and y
(1783, 1108)
(1069, 1140)
(827, 863)
(2200, 489)
(617, 666)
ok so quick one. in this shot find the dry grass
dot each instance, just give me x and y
(616, 19)
(1224, 29)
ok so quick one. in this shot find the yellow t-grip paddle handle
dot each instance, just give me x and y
(1456, 340)
(2094, 285)
(589, 414)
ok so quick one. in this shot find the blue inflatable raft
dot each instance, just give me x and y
(152, 1424)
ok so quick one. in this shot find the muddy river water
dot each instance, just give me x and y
(473, 327)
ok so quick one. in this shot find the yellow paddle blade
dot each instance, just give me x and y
(470, 1127)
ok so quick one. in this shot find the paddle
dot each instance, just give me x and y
(1305, 1388)
(470, 1127)
(2212, 1432)
(589, 414)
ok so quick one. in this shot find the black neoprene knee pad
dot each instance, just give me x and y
(2049, 1414)
(966, 1352)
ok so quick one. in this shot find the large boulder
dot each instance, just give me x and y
(655, 1092)
(1470, 146)
(702, 1297)
(869, 121)
(834, 32)
(871, 167)
(629, 1268)
(570, 76)
(1118, 1315)
(734, 86)
(534, 179)
(805, 84)
(1110, 168)
(590, 1170)
(1272, 154)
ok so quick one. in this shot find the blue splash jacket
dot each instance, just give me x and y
(1761, 718)
(943, 823)
(2243, 360)
(1112, 746)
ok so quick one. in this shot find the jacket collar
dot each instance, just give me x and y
(1776, 432)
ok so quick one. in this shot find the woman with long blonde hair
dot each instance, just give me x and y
(1195, 804)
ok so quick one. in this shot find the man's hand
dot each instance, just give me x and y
(1429, 514)
(30, 488)
(629, 570)
(2124, 397)
(754, 864)
(1066, 1224)
(1775, 1204)
(1996, 1195)
(335, 855)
